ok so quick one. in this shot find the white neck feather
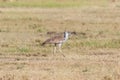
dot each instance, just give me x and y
(66, 34)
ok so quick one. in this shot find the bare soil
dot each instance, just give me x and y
(79, 63)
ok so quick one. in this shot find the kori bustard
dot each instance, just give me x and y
(57, 41)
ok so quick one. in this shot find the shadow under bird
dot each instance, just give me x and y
(57, 41)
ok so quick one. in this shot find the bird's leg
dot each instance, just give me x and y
(60, 50)
(54, 49)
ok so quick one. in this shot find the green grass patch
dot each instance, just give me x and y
(47, 4)
(23, 50)
(52, 3)
(94, 44)
(101, 44)
(17, 50)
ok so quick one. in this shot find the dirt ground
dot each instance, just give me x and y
(19, 28)
(99, 65)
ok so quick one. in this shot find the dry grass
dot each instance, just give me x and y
(91, 54)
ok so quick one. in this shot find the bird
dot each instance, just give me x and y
(57, 40)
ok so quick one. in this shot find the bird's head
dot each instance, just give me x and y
(70, 33)
(66, 33)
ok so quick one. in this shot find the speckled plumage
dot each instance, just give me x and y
(57, 40)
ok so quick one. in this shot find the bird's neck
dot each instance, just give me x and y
(66, 35)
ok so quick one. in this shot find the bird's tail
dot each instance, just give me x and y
(43, 44)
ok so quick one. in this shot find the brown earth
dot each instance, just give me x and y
(20, 28)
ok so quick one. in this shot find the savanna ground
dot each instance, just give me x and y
(93, 53)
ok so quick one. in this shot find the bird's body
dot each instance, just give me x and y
(54, 40)
(57, 40)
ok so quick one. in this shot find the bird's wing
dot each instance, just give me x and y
(56, 39)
